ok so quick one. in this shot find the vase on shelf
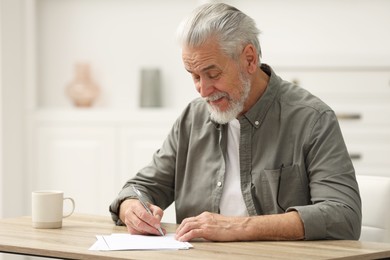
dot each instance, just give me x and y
(82, 90)
(150, 92)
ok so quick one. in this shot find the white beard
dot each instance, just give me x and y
(235, 106)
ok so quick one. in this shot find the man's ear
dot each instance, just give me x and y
(250, 58)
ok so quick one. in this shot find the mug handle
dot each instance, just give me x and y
(73, 206)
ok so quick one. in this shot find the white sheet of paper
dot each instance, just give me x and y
(138, 242)
(100, 244)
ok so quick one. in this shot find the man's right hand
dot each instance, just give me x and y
(137, 220)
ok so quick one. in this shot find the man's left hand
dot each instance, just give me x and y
(209, 226)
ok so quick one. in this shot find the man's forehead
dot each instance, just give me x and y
(202, 59)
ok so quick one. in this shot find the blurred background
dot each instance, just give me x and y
(90, 88)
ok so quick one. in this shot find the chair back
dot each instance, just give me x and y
(375, 194)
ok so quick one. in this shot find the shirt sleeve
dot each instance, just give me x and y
(335, 212)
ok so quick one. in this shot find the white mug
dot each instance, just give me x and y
(47, 208)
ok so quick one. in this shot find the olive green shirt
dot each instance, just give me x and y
(292, 158)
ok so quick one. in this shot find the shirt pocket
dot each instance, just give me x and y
(283, 188)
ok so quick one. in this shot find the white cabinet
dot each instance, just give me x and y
(354, 85)
(138, 143)
(91, 154)
(360, 97)
(80, 160)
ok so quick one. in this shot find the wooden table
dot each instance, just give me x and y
(78, 234)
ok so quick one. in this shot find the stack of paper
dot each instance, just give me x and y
(138, 242)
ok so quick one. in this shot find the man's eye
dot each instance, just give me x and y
(214, 75)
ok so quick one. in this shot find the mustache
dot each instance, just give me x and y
(216, 96)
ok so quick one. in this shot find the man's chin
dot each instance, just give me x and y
(221, 117)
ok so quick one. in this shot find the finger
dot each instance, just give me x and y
(128, 221)
(134, 231)
(193, 234)
(189, 231)
(186, 226)
(129, 217)
(158, 226)
(144, 222)
(154, 219)
(138, 220)
(185, 221)
(157, 212)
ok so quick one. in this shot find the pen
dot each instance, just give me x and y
(141, 199)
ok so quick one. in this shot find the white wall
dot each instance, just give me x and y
(12, 112)
(335, 31)
(119, 37)
(11, 175)
(1, 116)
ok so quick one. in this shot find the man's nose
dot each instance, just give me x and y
(205, 88)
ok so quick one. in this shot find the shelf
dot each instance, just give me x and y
(105, 115)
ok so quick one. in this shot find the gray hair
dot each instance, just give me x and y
(232, 28)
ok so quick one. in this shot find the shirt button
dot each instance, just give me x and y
(219, 184)
(257, 123)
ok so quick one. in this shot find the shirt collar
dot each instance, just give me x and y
(257, 113)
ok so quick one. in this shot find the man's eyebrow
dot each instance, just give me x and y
(209, 68)
(204, 69)
(213, 66)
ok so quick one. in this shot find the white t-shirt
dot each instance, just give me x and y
(232, 202)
